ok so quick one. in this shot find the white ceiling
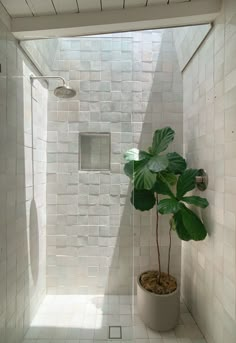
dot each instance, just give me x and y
(31, 8)
(35, 19)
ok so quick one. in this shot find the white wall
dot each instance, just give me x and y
(128, 85)
(22, 237)
(42, 52)
(187, 40)
(209, 267)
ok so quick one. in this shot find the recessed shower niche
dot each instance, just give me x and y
(94, 151)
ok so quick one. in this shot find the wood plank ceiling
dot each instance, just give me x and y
(27, 8)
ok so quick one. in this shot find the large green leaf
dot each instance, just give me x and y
(129, 169)
(158, 163)
(143, 177)
(193, 224)
(177, 163)
(143, 199)
(161, 139)
(135, 155)
(197, 201)
(186, 182)
(168, 206)
(180, 228)
(162, 187)
(168, 177)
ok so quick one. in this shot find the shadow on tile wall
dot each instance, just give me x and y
(157, 102)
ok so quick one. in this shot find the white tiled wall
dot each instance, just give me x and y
(209, 268)
(187, 40)
(42, 52)
(128, 85)
(22, 237)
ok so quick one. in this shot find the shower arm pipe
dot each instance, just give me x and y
(32, 78)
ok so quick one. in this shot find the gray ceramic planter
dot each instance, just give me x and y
(158, 312)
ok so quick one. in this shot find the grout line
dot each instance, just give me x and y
(190, 312)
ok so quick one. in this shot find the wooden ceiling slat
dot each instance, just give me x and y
(42, 7)
(135, 3)
(157, 2)
(89, 5)
(112, 4)
(17, 8)
(65, 6)
(28, 8)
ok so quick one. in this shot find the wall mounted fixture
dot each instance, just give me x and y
(202, 180)
(63, 91)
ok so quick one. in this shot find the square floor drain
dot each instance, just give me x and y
(115, 332)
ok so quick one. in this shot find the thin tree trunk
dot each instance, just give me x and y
(168, 267)
(158, 246)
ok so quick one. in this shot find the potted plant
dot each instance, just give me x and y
(154, 173)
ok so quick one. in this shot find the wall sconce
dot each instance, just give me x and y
(202, 180)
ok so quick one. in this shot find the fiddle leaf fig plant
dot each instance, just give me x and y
(186, 223)
(142, 167)
(153, 173)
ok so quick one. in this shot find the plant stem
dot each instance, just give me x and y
(168, 267)
(158, 246)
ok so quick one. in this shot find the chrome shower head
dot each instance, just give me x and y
(64, 92)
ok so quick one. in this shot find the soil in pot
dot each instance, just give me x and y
(148, 280)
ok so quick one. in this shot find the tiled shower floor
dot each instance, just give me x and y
(86, 318)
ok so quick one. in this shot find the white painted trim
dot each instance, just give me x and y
(177, 14)
(4, 17)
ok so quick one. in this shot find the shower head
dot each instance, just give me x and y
(63, 91)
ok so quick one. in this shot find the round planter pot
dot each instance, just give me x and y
(158, 312)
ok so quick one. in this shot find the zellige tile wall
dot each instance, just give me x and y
(127, 85)
(187, 41)
(42, 52)
(209, 267)
(23, 226)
